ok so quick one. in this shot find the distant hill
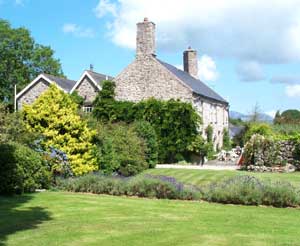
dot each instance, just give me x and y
(262, 117)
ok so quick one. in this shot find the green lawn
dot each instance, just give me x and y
(53, 218)
(198, 177)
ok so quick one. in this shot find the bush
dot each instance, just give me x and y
(226, 140)
(249, 190)
(161, 187)
(120, 150)
(147, 133)
(54, 115)
(262, 129)
(22, 169)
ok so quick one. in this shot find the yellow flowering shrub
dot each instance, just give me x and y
(54, 115)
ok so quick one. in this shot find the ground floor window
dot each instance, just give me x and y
(87, 109)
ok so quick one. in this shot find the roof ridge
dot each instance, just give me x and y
(47, 74)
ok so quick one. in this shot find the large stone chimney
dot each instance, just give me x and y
(145, 38)
(190, 62)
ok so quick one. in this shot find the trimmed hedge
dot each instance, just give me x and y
(248, 190)
(160, 187)
(22, 169)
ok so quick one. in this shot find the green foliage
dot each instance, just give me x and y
(22, 60)
(175, 122)
(226, 140)
(144, 186)
(12, 128)
(76, 98)
(262, 129)
(286, 129)
(63, 130)
(120, 150)
(248, 190)
(22, 169)
(107, 109)
(236, 122)
(209, 133)
(147, 133)
(291, 116)
(198, 146)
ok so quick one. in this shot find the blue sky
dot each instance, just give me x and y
(249, 51)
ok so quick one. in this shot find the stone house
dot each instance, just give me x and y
(147, 76)
(88, 85)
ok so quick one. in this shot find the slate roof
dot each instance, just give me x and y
(196, 85)
(99, 77)
(64, 83)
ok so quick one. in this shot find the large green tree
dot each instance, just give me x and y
(22, 59)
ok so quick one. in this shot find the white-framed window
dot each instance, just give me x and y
(87, 109)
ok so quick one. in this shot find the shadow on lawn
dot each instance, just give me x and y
(13, 219)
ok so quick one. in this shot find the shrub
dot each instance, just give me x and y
(54, 115)
(12, 128)
(262, 129)
(120, 150)
(209, 133)
(226, 140)
(249, 190)
(161, 187)
(22, 169)
(147, 133)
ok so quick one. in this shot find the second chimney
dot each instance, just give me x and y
(190, 62)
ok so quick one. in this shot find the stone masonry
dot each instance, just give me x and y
(32, 93)
(87, 90)
(145, 78)
(190, 62)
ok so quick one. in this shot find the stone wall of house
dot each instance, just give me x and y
(214, 114)
(145, 78)
(87, 90)
(32, 93)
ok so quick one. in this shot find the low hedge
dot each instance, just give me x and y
(248, 190)
(244, 190)
(142, 186)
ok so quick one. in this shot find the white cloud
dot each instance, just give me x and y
(293, 90)
(78, 31)
(105, 7)
(207, 69)
(271, 113)
(264, 31)
(250, 71)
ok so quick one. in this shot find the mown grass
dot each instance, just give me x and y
(200, 177)
(56, 218)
